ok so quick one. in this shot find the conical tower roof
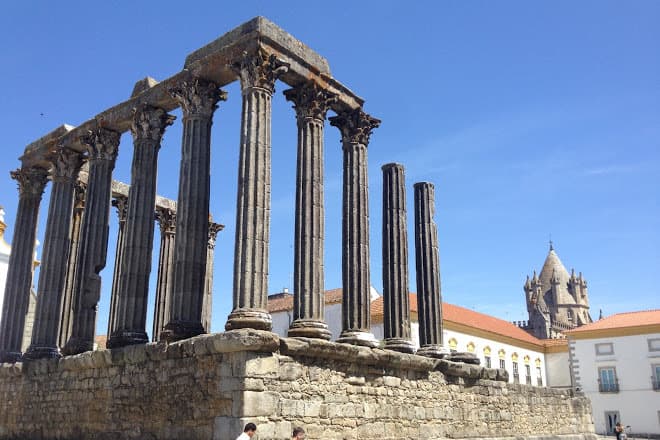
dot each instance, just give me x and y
(553, 267)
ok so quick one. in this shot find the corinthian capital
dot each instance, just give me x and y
(150, 122)
(167, 220)
(355, 126)
(121, 203)
(198, 97)
(31, 181)
(66, 164)
(259, 69)
(214, 228)
(101, 143)
(310, 100)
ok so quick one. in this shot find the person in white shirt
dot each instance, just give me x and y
(249, 430)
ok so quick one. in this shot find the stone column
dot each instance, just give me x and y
(198, 99)
(311, 103)
(429, 298)
(396, 316)
(64, 173)
(355, 127)
(66, 320)
(167, 221)
(103, 146)
(129, 325)
(258, 73)
(121, 203)
(207, 305)
(31, 184)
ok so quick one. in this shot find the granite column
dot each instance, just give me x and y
(207, 305)
(258, 73)
(66, 164)
(311, 103)
(31, 184)
(355, 127)
(129, 325)
(396, 316)
(198, 99)
(167, 220)
(120, 202)
(429, 296)
(67, 296)
(102, 145)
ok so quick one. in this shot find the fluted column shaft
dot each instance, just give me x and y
(167, 221)
(121, 204)
(66, 320)
(207, 305)
(258, 73)
(103, 146)
(64, 172)
(429, 296)
(129, 326)
(355, 127)
(198, 99)
(396, 316)
(31, 184)
(311, 104)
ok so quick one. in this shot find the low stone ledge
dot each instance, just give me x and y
(318, 348)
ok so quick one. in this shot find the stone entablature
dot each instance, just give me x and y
(221, 381)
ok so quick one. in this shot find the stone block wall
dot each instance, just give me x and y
(208, 387)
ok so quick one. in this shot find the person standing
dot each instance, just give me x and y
(618, 430)
(249, 430)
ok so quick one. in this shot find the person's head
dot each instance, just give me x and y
(618, 423)
(298, 434)
(250, 429)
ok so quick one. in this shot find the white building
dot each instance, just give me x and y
(616, 362)
(497, 343)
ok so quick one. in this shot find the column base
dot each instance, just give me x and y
(433, 351)
(399, 344)
(10, 357)
(258, 319)
(178, 330)
(309, 328)
(123, 338)
(465, 357)
(77, 346)
(36, 352)
(357, 337)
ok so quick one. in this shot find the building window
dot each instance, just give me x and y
(470, 347)
(569, 313)
(539, 377)
(487, 361)
(655, 379)
(503, 364)
(516, 375)
(607, 380)
(654, 344)
(604, 349)
(487, 357)
(528, 375)
(453, 343)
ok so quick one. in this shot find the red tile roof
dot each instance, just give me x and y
(284, 301)
(622, 320)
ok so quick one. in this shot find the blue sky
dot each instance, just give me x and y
(531, 118)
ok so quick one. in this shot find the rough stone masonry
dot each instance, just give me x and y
(208, 386)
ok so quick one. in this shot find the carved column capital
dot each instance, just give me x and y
(310, 101)
(101, 143)
(66, 164)
(150, 122)
(79, 202)
(31, 181)
(355, 126)
(259, 69)
(214, 228)
(166, 220)
(121, 203)
(198, 97)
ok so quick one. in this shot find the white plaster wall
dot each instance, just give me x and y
(636, 402)
(4, 265)
(558, 371)
(282, 320)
